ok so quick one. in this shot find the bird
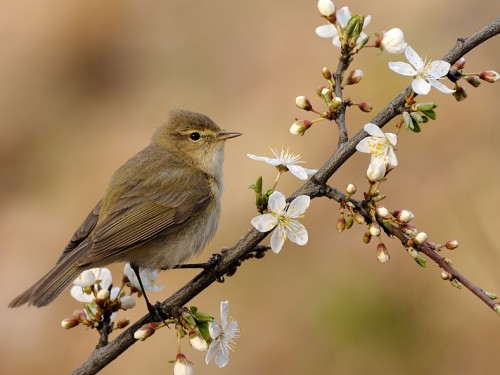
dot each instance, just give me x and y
(160, 208)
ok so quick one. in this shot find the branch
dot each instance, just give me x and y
(426, 248)
(315, 187)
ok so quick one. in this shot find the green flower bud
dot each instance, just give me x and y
(348, 222)
(491, 295)
(335, 104)
(474, 81)
(416, 117)
(425, 106)
(299, 127)
(326, 73)
(459, 94)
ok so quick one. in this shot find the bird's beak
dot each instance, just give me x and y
(223, 135)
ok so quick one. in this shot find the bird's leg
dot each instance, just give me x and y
(211, 263)
(208, 266)
(153, 309)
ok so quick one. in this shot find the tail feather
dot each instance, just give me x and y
(55, 281)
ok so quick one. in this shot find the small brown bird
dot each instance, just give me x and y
(160, 208)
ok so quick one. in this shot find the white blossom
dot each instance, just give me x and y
(426, 74)
(223, 336)
(286, 160)
(284, 220)
(381, 147)
(80, 290)
(148, 278)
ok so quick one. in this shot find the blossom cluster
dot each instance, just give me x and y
(94, 288)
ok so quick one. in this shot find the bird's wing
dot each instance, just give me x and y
(137, 217)
(83, 231)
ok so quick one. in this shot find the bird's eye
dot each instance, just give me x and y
(194, 136)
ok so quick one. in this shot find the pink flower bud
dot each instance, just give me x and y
(303, 103)
(365, 107)
(420, 238)
(382, 253)
(489, 76)
(69, 323)
(354, 77)
(404, 216)
(459, 65)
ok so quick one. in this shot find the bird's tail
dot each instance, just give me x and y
(55, 281)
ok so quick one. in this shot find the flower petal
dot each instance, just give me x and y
(264, 223)
(440, 86)
(392, 159)
(273, 162)
(367, 21)
(336, 41)
(326, 31)
(421, 86)
(298, 206)
(438, 69)
(221, 359)
(78, 294)
(298, 235)
(343, 16)
(392, 138)
(224, 313)
(297, 171)
(214, 329)
(364, 145)
(231, 329)
(105, 278)
(277, 239)
(402, 68)
(374, 130)
(276, 202)
(414, 58)
(212, 350)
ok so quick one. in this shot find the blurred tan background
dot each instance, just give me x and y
(85, 83)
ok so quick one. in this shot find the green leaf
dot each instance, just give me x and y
(421, 261)
(203, 328)
(430, 113)
(414, 127)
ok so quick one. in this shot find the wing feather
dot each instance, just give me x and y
(137, 216)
